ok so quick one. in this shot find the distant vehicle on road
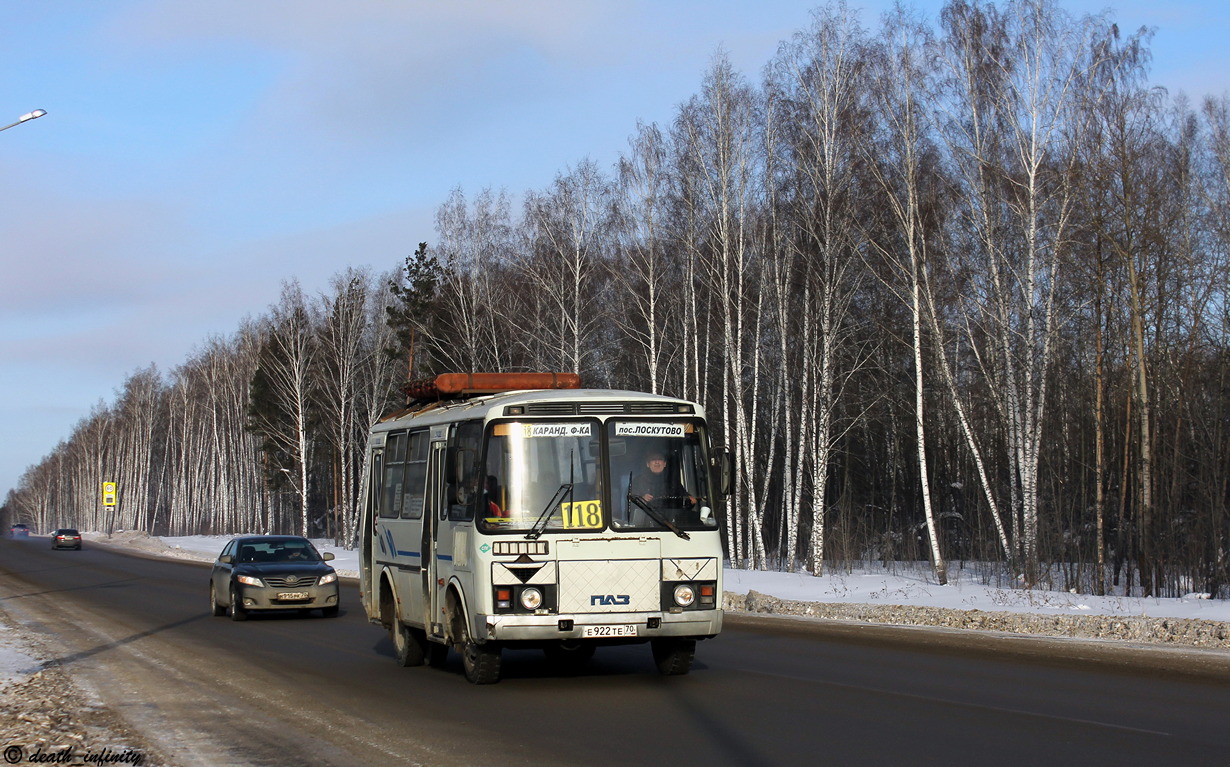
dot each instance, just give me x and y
(66, 538)
(272, 572)
(19, 530)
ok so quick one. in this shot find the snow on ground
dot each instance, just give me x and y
(15, 664)
(909, 584)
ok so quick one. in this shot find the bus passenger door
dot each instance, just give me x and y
(435, 578)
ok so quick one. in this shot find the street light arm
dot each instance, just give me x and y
(26, 117)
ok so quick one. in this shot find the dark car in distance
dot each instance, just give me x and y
(272, 572)
(66, 538)
(19, 530)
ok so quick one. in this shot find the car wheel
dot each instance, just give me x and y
(409, 644)
(215, 608)
(236, 609)
(673, 657)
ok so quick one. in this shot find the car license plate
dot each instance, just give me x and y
(288, 595)
(621, 630)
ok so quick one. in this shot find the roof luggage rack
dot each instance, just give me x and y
(461, 386)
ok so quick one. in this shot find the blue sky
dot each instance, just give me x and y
(197, 154)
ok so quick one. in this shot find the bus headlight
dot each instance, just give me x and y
(531, 598)
(685, 595)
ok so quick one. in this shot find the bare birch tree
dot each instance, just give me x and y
(901, 161)
(474, 313)
(719, 136)
(821, 79)
(282, 397)
(342, 354)
(567, 230)
(644, 275)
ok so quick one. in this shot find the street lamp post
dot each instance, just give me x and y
(26, 117)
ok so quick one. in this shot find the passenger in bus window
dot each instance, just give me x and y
(659, 487)
(492, 497)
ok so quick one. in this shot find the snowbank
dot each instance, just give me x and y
(905, 595)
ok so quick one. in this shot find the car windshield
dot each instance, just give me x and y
(257, 552)
(554, 475)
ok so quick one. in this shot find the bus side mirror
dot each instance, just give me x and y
(724, 466)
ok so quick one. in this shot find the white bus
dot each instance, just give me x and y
(519, 510)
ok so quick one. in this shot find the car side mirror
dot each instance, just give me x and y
(226, 559)
(327, 556)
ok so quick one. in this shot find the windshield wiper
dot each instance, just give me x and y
(652, 512)
(540, 524)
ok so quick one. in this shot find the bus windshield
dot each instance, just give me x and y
(659, 475)
(552, 476)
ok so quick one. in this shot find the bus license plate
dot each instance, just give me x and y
(292, 595)
(621, 630)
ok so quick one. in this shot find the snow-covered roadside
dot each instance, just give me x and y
(904, 595)
(45, 716)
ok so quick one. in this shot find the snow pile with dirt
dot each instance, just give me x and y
(46, 718)
(1190, 632)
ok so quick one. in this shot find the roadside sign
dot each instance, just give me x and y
(108, 494)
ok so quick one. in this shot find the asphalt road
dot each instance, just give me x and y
(287, 690)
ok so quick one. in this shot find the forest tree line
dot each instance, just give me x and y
(950, 292)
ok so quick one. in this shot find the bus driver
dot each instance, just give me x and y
(658, 487)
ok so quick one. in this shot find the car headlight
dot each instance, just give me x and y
(685, 595)
(330, 578)
(249, 580)
(531, 598)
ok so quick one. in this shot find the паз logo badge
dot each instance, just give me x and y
(609, 599)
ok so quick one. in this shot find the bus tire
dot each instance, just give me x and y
(408, 644)
(481, 661)
(673, 657)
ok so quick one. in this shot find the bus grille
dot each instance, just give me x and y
(610, 586)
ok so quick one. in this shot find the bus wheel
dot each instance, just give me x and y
(481, 661)
(673, 656)
(409, 644)
(569, 656)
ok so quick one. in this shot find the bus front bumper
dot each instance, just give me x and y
(625, 627)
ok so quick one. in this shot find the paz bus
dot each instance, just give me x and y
(522, 511)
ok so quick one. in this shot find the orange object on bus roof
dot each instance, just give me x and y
(457, 385)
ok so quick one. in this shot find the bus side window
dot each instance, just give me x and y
(465, 475)
(415, 483)
(392, 483)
